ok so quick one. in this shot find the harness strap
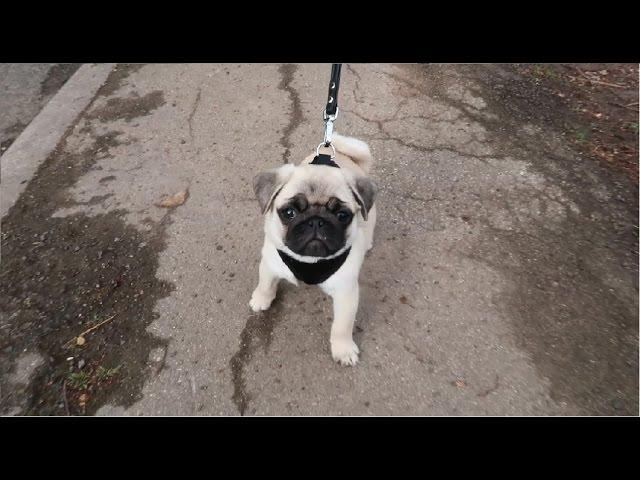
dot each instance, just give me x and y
(324, 159)
(314, 273)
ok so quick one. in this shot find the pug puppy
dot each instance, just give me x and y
(319, 219)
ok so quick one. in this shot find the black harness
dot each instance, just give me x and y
(314, 273)
(318, 272)
(324, 159)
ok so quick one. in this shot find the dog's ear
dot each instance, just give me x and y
(267, 185)
(364, 191)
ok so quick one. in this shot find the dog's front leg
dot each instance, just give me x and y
(266, 290)
(345, 307)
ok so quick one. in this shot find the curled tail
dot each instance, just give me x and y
(356, 149)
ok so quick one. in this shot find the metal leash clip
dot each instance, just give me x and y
(332, 106)
(328, 126)
(333, 149)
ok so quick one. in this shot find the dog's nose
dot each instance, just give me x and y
(315, 223)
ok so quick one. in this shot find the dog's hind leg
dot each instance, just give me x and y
(345, 306)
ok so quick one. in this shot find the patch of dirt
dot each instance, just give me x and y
(603, 100)
(128, 107)
(62, 276)
(118, 77)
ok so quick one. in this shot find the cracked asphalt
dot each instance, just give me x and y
(503, 278)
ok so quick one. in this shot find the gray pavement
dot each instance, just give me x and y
(503, 278)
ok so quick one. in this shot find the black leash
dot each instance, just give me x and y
(330, 114)
(334, 85)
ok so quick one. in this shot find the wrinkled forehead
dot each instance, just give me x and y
(318, 184)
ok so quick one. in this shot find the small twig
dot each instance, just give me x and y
(92, 328)
(64, 396)
(607, 84)
(631, 104)
(628, 107)
(598, 81)
(96, 326)
(581, 72)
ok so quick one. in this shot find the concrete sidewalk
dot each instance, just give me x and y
(24, 89)
(503, 279)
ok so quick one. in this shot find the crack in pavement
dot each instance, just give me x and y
(418, 90)
(296, 116)
(421, 148)
(438, 94)
(196, 104)
(259, 327)
(257, 331)
(356, 84)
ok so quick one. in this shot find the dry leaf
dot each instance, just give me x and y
(83, 399)
(460, 383)
(80, 341)
(174, 200)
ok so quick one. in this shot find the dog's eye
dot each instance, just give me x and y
(289, 213)
(343, 216)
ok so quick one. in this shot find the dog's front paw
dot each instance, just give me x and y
(345, 352)
(259, 301)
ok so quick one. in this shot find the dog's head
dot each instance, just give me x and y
(312, 210)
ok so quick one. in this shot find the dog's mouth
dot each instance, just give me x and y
(316, 248)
